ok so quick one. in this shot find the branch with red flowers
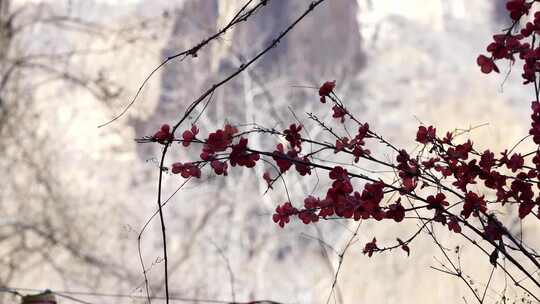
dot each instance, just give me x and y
(443, 165)
(166, 135)
(447, 183)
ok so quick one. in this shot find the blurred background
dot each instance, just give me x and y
(73, 197)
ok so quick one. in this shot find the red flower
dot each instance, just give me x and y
(425, 135)
(189, 135)
(460, 151)
(311, 202)
(283, 160)
(220, 168)
(219, 140)
(363, 131)
(303, 168)
(408, 171)
(536, 160)
(371, 247)
(515, 163)
(163, 136)
(308, 216)
(396, 211)
(206, 156)
(359, 151)
(283, 212)
(292, 135)
(341, 144)
(437, 202)
(487, 160)
(326, 89)
(465, 174)
(409, 184)
(448, 138)
(339, 112)
(338, 173)
(527, 30)
(498, 49)
(486, 64)
(430, 163)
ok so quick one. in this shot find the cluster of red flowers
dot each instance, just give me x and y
(507, 45)
(186, 170)
(535, 124)
(341, 200)
(240, 155)
(518, 8)
(356, 145)
(285, 160)
(213, 150)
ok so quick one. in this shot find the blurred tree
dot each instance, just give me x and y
(50, 224)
